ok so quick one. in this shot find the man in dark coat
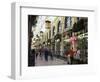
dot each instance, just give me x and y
(46, 54)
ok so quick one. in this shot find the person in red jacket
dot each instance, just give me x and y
(70, 54)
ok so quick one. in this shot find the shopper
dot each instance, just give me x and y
(41, 53)
(66, 55)
(70, 56)
(46, 54)
(37, 53)
(77, 56)
(51, 55)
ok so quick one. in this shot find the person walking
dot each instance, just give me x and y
(46, 54)
(41, 53)
(36, 54)
(50, 54)
(70, 56)
(77, 56)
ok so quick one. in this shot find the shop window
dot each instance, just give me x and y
(53, 30)
(47, 36)
(50, 34)
(68, 22)
(65, 22)
(59, 27)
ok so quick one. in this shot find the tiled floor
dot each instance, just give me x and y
(55, 61)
